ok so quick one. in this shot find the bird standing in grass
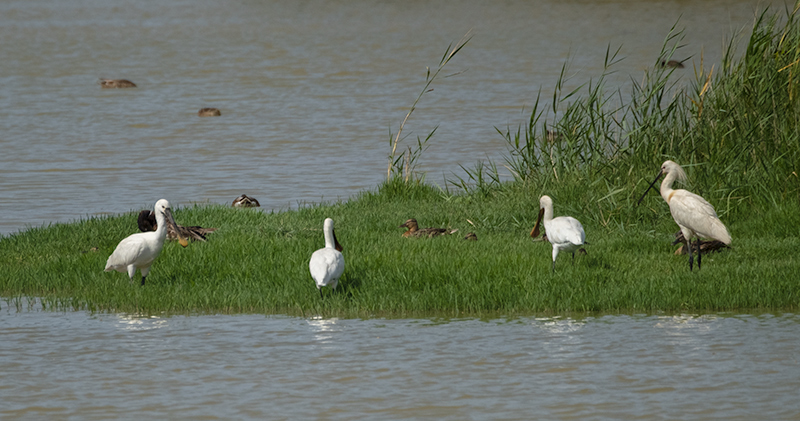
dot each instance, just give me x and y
(564, 233)
(140, 250)
(693, 214)
(327, 263)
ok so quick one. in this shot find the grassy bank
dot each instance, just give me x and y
(257, 262)
(735, 128)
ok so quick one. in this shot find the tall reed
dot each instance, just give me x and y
(403, 164)
(735, 127)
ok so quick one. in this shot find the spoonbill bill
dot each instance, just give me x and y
(327, 263)
(415, 231)
(693, 214)
(564, 233)
(140, 250)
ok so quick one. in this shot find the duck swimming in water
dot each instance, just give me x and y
(245, 201)
(415, 231)
(675, 64)
(116, 83)
(209, 112)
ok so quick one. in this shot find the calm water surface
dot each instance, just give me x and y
(84, 366)
(309, 91)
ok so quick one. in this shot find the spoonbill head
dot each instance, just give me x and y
(564, 233)
(327, 264)
(693, 214)
(140, 250)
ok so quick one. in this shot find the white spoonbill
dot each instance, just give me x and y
(138, 251)
(693, 214)
(327, 263)
(565, 232)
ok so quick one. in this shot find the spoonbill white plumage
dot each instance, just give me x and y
(327, 263)
(693, 214)
(140, 250)
(565, 232)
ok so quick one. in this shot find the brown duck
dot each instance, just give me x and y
(705, 246)
(147, 222)
(209, 112)
(116, 83)
(245, 201)
(415, 231)
(675, 64)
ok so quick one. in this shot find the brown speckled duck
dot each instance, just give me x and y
(147, 222)
(675, 64)
(415, 231)
(116, 83)
(705, 245)
(245, 201)
(209, 112)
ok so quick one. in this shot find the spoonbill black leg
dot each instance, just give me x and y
(698, 253)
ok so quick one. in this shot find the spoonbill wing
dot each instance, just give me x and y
(566, 229)
(129, 250)
(692, 211)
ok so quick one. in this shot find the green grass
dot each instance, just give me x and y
(735, 129)
(258, 262)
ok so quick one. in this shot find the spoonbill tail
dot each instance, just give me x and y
(140, 250)
(327, 263)
(565, 232)
(693, 214)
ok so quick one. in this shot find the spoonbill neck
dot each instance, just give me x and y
(330, 237)
(666, 186)
(161, 224)
(548, 212)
